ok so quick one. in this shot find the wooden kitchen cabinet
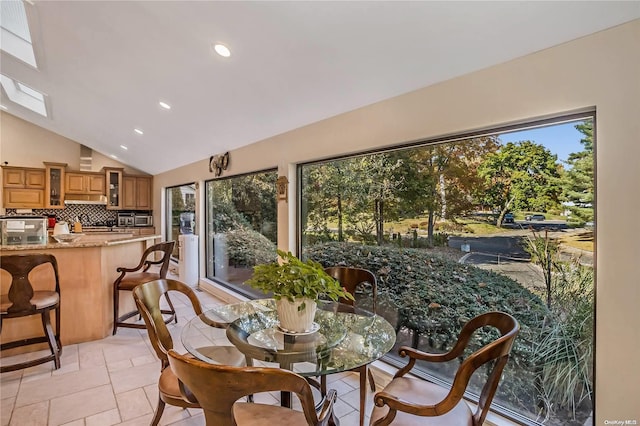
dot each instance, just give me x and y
(136, 192)
(85, 183)
(54, 185)
(23, 177)
(114, 188)
(23, 187)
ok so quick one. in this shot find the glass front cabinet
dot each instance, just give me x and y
(54, 185)
(114, 188)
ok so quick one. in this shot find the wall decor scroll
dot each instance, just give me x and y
(282, 185)
(218, 163)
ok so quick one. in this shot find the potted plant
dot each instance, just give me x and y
(296, 286)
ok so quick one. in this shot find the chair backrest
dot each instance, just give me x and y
(147, 297)
(496, 351)
(351, 278)
(217, 387)
(165, 249)
(21, 289)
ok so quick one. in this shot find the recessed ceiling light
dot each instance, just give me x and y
(3, 107)
(113, 156)
(222, 50)
(165, 105)
(138, 131)
(124, 147)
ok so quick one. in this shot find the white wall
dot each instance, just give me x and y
(23, 144)
(602, 71)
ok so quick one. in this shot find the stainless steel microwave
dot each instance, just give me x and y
(142, 220)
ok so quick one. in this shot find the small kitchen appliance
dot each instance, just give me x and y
(19, 230)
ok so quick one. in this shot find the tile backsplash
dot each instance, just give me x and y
(94, 212)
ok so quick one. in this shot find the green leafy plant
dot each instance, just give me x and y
(292, 278)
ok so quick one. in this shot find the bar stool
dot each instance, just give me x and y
(22, 301)
(130, 278)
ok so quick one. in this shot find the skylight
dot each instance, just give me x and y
(15, 37)
(24, 95)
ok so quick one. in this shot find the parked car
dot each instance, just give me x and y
(508, 218)
(535, 217)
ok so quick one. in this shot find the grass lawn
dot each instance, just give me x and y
(581, 240)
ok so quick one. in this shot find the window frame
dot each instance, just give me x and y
(207, 248)
(554, 119)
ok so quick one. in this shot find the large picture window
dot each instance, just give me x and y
(454, 228)
(241, 227)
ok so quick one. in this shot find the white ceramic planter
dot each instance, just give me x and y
(293, 320)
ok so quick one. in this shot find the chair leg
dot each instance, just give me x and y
(116, 302)
(51, 338)
(158, 413)
(173, 310)
(372, 383)
(57, 311)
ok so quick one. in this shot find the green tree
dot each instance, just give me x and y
(443, 179)
(522, 175)
(578, 183)
(330, 193)
(382, 186)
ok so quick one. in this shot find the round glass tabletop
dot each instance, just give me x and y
(344, 337)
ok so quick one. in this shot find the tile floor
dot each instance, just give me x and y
(113, 381)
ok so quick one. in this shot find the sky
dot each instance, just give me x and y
(560, 139)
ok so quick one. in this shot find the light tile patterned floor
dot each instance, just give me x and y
(113, 381)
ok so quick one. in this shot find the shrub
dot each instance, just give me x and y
(246, 248)
(426, 289)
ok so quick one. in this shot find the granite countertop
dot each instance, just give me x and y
(86, 240)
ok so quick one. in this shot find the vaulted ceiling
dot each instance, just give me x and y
(105, 65)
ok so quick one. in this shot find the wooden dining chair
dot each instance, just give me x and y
(129, 278)
(351, 279)
(219, 387)
(147, 297)
(408, 401)
(22, 301)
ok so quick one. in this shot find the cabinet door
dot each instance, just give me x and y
(95, 184)
(34, 179)
(23, 198)
(54, 186)
(143, 193)
(128, 192)
(114, 189)
(13, 178)
(74, 183)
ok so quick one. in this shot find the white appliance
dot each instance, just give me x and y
(188, 270)
(61, 227)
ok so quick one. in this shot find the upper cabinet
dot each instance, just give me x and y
(33, 188)
(23, 187)
(114, 188)
(136, 192)
(54, 185)
(85, 183)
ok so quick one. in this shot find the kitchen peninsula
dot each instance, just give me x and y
(87, 270)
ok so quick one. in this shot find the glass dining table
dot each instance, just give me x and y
(343, 337)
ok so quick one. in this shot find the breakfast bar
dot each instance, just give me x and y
(87, 270)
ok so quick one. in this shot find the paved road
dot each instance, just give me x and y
(504, 254)
(487, 249)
